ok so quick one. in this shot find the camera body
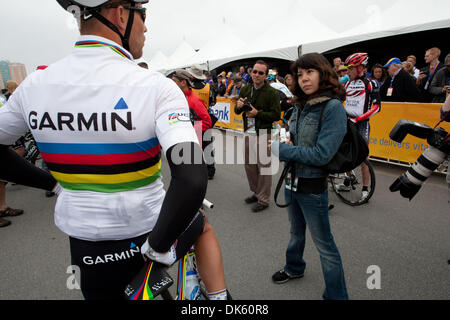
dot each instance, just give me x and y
(410, 182)
(245, 108)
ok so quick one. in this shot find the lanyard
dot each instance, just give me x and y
(432, 72)
(392, 81)
(94, 44)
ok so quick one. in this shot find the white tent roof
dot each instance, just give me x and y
(281, 41)
(225, 44)
(158, 61)
(314, 32)
(323, 46)
(182, 53)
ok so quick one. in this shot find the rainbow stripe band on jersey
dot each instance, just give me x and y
(107, 167)
(94, 44)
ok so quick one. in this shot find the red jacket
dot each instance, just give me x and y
(199, 108)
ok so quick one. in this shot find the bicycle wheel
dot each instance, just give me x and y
(349, 186)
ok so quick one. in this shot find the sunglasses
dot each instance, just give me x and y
(258, 72)
(141, 10)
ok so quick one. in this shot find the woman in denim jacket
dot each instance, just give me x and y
(317, 87)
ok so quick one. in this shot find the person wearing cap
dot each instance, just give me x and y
(185, 82)
(237, 85)
(220, 84)
(399, 85)
(201, 87)
(342, 72)
(207, 94)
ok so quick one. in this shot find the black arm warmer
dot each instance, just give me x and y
(187, 189)
(15, 168)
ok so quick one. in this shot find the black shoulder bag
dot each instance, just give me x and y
(351, 153)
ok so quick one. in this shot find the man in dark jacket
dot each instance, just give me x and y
(399, 86)
(428, 73)
(440, 86)
(259, 104)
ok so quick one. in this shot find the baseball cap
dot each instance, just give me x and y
(392, 61)
(184, 75)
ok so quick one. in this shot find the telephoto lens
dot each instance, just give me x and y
(409, 183)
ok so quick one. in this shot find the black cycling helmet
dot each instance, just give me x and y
(86, 9)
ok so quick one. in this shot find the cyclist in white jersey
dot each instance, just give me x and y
(101, 123)
(362, 102)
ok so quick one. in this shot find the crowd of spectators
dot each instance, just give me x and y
(428, 84)
(402, 81)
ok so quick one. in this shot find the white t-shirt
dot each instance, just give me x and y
(100, 122)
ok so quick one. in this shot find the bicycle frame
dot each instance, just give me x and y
(153, 279)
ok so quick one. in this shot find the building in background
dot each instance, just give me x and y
(11, 71)
(2, 83)
(4, 71)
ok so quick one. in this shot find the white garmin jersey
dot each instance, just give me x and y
(100, 122)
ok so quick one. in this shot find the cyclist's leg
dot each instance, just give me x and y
(209, 260)
(365, 174)
(364, 130)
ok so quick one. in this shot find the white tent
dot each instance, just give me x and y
(158, 61)
(316, 31)
(226, 43)
(182, 53)
(282, 41)
(323, 46)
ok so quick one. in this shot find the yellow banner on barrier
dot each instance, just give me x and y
(224, 111)
(382, 123)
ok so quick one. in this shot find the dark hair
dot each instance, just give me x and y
(329, 81)
(383, 74)
(264, 63)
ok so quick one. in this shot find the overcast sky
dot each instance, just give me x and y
(36, 32)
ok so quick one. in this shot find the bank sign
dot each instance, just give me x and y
(222, 111)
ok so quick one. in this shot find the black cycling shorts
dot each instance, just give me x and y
(364, 130)
(107, 267)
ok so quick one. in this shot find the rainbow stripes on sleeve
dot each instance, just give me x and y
(103, 167)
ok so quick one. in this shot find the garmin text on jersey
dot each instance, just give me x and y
(80, 122)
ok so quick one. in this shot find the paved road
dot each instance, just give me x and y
(408, 241)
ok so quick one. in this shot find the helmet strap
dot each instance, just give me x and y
(126, 37)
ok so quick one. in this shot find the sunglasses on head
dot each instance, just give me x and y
(258, 72)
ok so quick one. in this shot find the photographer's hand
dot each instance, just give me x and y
(252, 113)
(240, 103)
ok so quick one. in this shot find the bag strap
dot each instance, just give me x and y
(289, 166)
(321, 117)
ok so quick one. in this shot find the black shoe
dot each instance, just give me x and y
(282, 276)
(49, 194)
(4, 223)
(251, 199)
(259, 207)
(210, 176)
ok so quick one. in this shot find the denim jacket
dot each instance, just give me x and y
(312, 148)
